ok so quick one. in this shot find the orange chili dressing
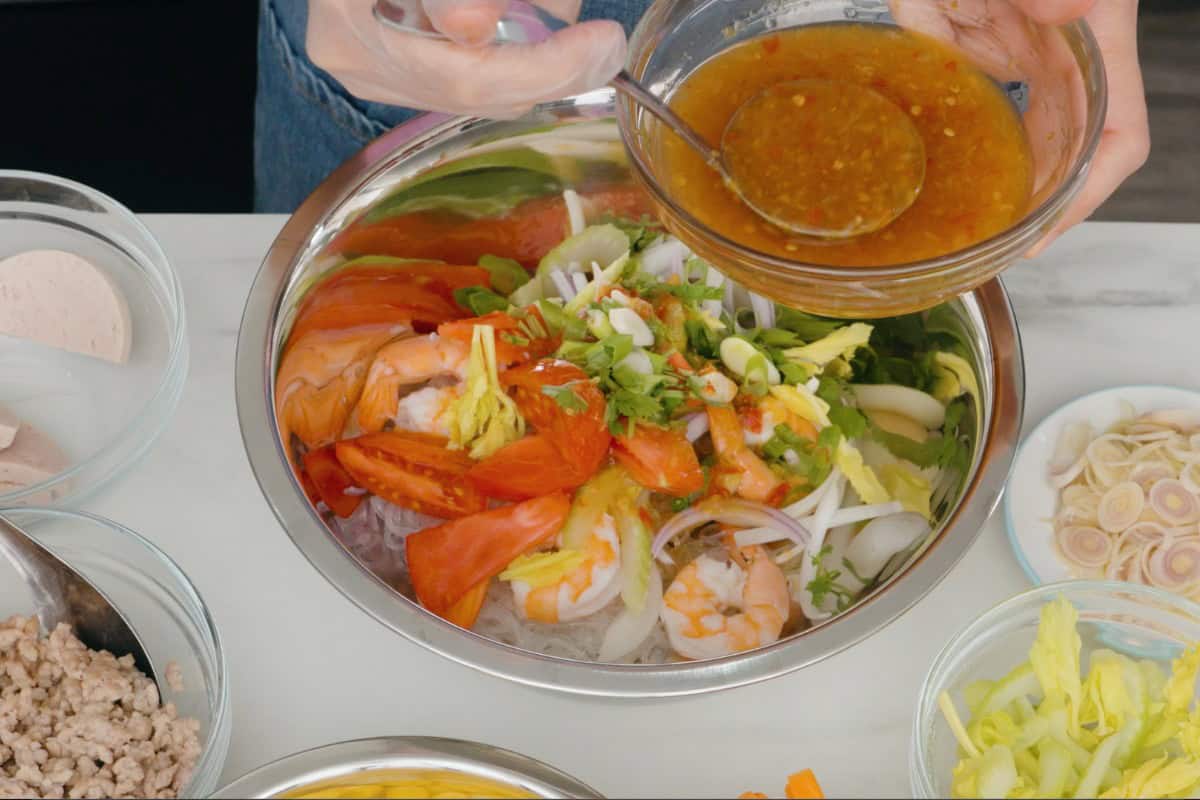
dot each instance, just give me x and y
(978, 171)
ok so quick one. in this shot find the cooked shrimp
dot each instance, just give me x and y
(759, 422)
(695, 605)
(427, 410)
(407, 363)
(320, 379)
(584, 590)
(754, 479)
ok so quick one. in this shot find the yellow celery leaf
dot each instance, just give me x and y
(1055, 657)
(909, 487)
(839, 344)
(1106, 699)
(484, 418)
(803, 403)
(543, 569)
(1181, 686)
(1158, 778)
(850, 461)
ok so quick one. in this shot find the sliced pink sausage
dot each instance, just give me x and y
(32, 458)
(8, 427)
(61, 300)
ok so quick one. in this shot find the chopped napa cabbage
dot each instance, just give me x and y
(1157, 778)
(842, 343)
(1055, 657)
(803, 403)
(636, 561)
(850, 461)
(975, 693)
(543, 569)
(997, 774)
(909, 487)
(484, 418)
(1054, 769)
(1189, 734)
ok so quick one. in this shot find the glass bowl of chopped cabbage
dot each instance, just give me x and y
(1080, 689)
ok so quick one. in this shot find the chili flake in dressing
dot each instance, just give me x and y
(978, 168)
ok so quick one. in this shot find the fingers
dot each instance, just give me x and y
(496, 81)
(1125, 143)
(471, 23)
(1056, 12)
(566, 10)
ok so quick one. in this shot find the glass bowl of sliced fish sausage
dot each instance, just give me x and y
(93, 343)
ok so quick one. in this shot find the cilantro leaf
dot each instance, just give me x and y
(850, 420)
(479, 300)
(566, 398)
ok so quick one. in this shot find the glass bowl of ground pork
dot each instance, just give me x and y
(81, 723)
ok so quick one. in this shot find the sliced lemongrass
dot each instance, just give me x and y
(1120, 507)
(1186, 420)
(1189, 476)
(1142, 533)
(1172, 501)
(1145, 475)
(1062, 479)
(1181, 450)
(1175, 566)
(1085, 546)
(1071, 445)
(1079, 495)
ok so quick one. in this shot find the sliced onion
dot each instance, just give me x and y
(563, 284)
(1087, 547)
(903, 400)
(1171, 500)
(697, 426)
(751, 537)
(764, 311)
(1174, 566)
(1120, 507)
(817, 525)
(805, 505)
(729, 511)
(574, 211)
(629, 630)
(882, 539)
(665, 257)
(1072, 443)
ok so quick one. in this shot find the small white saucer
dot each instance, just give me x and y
(1030, 500)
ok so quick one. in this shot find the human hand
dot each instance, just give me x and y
(467, 74)
(1125, 143)
(997, 38)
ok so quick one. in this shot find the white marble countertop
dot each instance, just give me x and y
(1110, 304)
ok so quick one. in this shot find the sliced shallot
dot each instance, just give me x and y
(1120, 506)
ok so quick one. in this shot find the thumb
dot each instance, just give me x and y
(1056, 12)
(467, 22)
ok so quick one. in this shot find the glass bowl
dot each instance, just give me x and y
(160, 603)
(1055, 73)
(104, 416)
(1138, 621)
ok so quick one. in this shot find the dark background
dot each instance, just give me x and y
(152, 101)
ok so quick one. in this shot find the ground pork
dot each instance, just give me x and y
(76, 722)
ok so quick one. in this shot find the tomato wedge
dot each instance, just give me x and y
(413, 470)
(448, 560)
(466, 610)
(525, 234)
(523, 469)
(660, 459)
(347, 304)
(579, 434)
(330, 481)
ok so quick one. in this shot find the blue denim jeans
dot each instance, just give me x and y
(306, 124)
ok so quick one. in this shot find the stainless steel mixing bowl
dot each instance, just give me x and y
(579, 128)
(365, 762)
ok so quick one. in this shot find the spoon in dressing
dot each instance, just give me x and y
(818, 158)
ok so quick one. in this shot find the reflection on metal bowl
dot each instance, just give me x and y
(577, 141)
(412, 766)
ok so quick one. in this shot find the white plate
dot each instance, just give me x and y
(1030, 500)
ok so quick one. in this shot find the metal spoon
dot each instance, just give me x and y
(63, 595)
(808, 192)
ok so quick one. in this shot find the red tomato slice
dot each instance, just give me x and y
(413, 470)
(330, 480)
(526, 468)
(581, 436)
(466, 610)
(525, 234)
(448, 560)
(660, 459)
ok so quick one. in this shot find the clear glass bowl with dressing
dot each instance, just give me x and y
(103, 416)
(1055, 73)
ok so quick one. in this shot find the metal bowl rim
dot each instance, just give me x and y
(311, 536)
